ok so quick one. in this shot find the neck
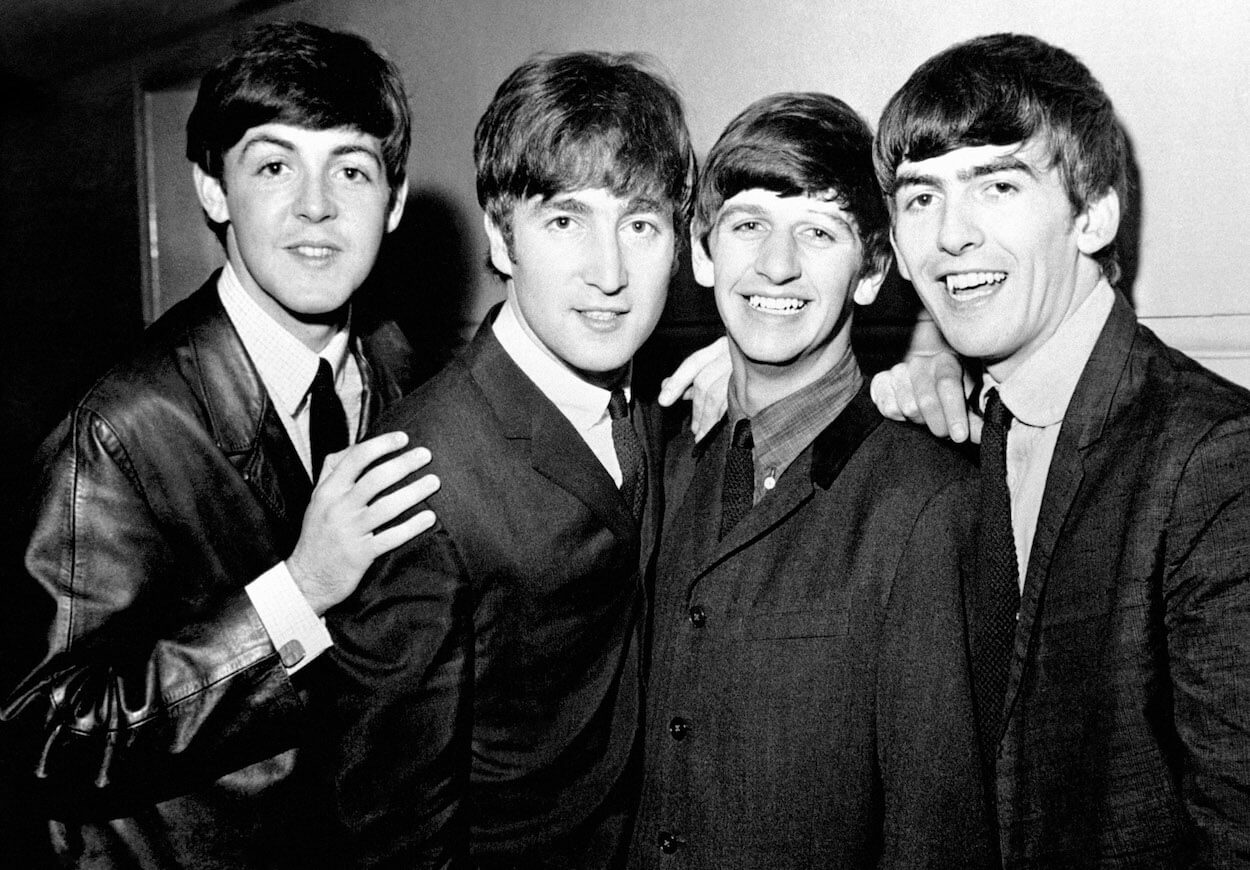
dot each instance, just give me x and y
(757, 385)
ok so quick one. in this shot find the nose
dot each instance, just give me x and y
(314, 201)
(959, 230)
(605, 267)
(778, 258)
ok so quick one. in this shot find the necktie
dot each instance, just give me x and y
(327, 423)
(997, 596)
(738, 490)
(629, 454)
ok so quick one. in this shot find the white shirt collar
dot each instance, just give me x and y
(584, 404)
(1038, 392)
(285, 364)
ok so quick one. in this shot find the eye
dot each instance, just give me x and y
(820, 235)
(639, 227)
(272, 168)
(748, 227)
(355, 173)
(918, 202)
(1003, 188)
(560, 222)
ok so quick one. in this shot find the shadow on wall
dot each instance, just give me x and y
(424, 279)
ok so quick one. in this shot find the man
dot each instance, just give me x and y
(489, 673)
(786, 728)
(184, 549)
(1117, 728)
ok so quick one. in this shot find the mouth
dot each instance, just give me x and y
(313, 252)
(776, 304)
(973, 285)
(601, 315)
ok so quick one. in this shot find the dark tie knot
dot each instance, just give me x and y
(618, 405)
(742, 435)
(997, 414)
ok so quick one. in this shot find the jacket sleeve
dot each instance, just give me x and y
(397, 737)
(1207, 600)
(149, 681)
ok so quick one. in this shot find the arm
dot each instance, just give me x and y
(1207, 601)
(702, 378)
(929, 389)
(397, 736)
(156, 674)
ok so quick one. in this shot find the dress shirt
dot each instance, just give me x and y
(783, 430)
(1037, 394)
(584, 404)
(287, 368)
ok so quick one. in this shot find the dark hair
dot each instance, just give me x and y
(1008, 88)
(581, 120)
(796, 144)
(307, 76)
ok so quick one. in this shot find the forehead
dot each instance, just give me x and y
(765, 203)
(965, 164)
(594, 200)
(306, 141)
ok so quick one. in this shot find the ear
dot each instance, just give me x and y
(1097, 225)
(397, 207)
(898, 258)
(704, 270)
(867, 287)
(500, 258)
(212, 195)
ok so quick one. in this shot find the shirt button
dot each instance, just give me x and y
(670, 843)
(679, 728)
(697, 617)
(770, 482)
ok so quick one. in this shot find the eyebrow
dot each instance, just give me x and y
(1006, 163)
(288, 145)
(752, 210)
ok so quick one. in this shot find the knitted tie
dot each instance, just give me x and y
(739, 487)
(997, 595)
(629, 454)
(327, 423)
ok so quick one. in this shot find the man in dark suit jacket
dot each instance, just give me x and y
(488, 675)
(1119, 734)
(809, 702)
(185, 552)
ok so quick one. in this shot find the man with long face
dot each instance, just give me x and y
(488, 678)
(1110, 621)
(211, 497)
(808, 701)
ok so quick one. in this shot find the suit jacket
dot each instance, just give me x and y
(1127, 740)
(487, 679)
(785, 727)
(168, 488)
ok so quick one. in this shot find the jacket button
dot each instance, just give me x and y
(679, 728)
(697, 617)
(670, 843)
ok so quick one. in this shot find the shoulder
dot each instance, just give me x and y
(912, 455)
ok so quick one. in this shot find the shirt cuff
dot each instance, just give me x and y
(298, 634)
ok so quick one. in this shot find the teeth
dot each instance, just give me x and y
(314, 252)
(601, 315)
(769, 303)
(965, 281)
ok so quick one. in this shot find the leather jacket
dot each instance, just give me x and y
(158, 722)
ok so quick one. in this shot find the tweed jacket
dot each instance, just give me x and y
(1127, 734)
(157, 720)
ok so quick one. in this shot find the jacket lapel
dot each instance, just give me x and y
(240, 414)
(556, 450)
(1083, 423)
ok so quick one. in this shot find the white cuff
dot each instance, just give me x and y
(298, 634)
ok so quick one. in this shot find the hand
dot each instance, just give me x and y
(930, 390)
(337, 542)
(703, 378)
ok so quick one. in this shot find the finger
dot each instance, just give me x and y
(678, 384)
(351, 462)
(974, 428)
(391, 505)
(389, 472)
(904, 395)
(881, 391)
(954, 406)
(402, 533)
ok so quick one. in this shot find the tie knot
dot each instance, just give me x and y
(997, 413)
(618, 405)
(742, 435)
(323, 381)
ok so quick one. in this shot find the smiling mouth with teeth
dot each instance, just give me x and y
(316, 252)
(973, 283)
(784, 305)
